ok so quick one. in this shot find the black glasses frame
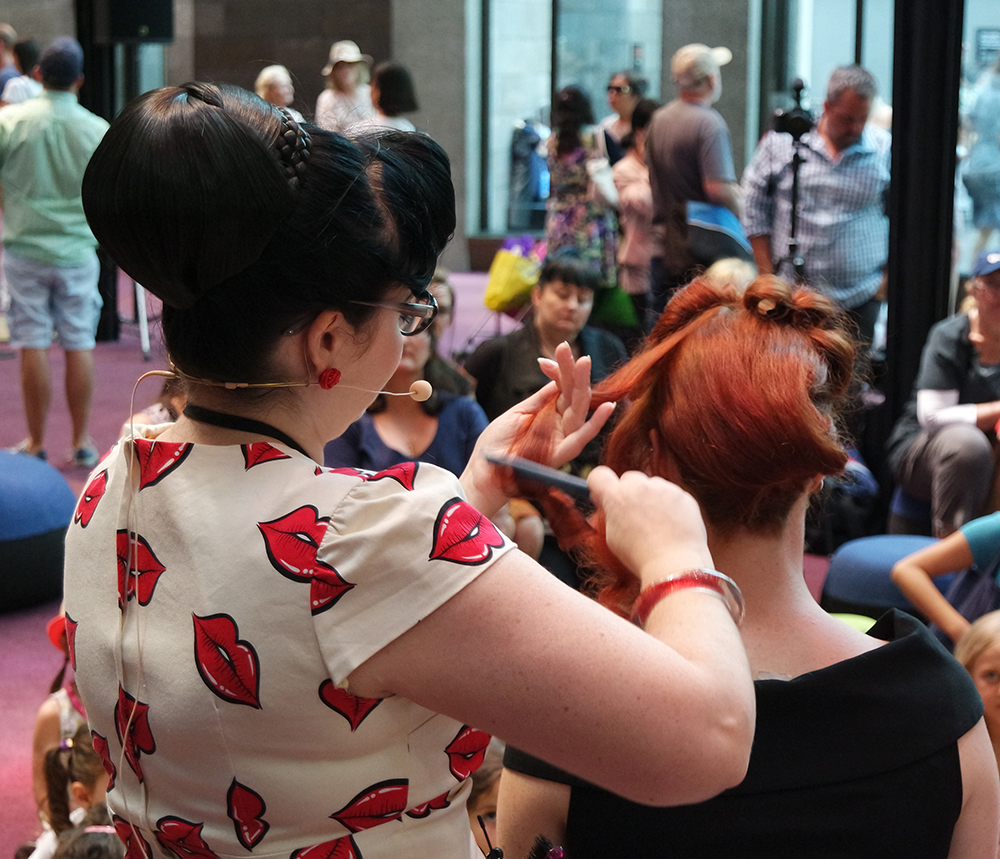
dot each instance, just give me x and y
(414, 317)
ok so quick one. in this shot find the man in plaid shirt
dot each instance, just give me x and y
(842, 228)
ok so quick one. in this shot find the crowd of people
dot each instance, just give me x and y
(331, 592)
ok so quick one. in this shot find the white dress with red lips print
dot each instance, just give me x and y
(212, 665)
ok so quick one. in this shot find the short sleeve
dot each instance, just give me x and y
(398, 546)
(983, 535)
(716, 152)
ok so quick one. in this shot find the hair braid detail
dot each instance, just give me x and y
(293, 148)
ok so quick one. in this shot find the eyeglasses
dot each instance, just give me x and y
(625, 89)
(414, 317)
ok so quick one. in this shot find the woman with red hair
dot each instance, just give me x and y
(865, 745)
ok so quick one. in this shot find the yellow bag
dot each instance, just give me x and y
(511, 278)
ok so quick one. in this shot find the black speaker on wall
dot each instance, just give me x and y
(133, 21)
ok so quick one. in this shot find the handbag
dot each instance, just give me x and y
(511, 278)
(601, 187)
(601, 181)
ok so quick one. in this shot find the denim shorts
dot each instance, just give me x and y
(46, 297)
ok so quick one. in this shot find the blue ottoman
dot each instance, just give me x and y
(859, 580)
(36, 506)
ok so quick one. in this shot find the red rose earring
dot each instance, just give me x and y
(329, 378)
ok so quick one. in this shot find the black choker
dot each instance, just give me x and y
(237, 422)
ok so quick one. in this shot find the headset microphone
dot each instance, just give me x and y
(420, 391)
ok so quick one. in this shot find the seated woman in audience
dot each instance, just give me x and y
(442, 429)
(979, 651)
(302, 662)
(75, 781)
(976, 542)
(865, 745)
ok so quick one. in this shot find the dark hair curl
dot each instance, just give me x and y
(194, 192)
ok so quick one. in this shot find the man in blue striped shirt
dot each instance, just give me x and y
(842, 229)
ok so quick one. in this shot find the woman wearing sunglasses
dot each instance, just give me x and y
(306, 662)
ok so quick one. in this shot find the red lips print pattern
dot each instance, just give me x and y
(133, 730)
(71, 626)
(101, 747)
(228, 665)
(463, 535)
(246, 809)
(183, 838)
(91, 497)
(374, 806)
(136, 847)
(342, 848)
(352, 707)
(292, 542)
(157, 459)
(260, 452)
(466, 751)
(141, 581)
(419, 812)
(404, 473)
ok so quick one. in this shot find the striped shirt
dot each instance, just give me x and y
(843, 231)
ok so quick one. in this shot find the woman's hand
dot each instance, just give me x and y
(652, 525)
(570, 435)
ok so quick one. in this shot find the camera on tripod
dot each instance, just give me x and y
(798, 120)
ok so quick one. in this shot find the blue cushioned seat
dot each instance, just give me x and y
(36, 506)
(859, 579)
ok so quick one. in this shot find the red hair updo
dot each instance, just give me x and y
(742, 392)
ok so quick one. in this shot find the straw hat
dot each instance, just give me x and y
(345, 52)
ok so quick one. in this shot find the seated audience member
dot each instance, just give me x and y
(25, 85)
(976, 542)
(941, 449)
(94, 838)
(58, 719)
(979, 651)
(635, 213)
(165, 410)
(442, 429)
(274, 85)
(865, 745)
(482, 800)
(76, 780)
(506, 367)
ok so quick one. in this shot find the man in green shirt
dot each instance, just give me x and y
(49, 257)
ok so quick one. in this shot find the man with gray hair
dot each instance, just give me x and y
(690, 159)
(842, 228)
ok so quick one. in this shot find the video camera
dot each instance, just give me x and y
(798, 120)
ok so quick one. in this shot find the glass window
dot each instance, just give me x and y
(977, 181)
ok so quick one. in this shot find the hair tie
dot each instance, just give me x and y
(66, 744)
(103, 830)
(766, 305)
(293, 148)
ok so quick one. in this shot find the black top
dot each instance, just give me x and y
(857, 759)
(948, 363)
(506, 367)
